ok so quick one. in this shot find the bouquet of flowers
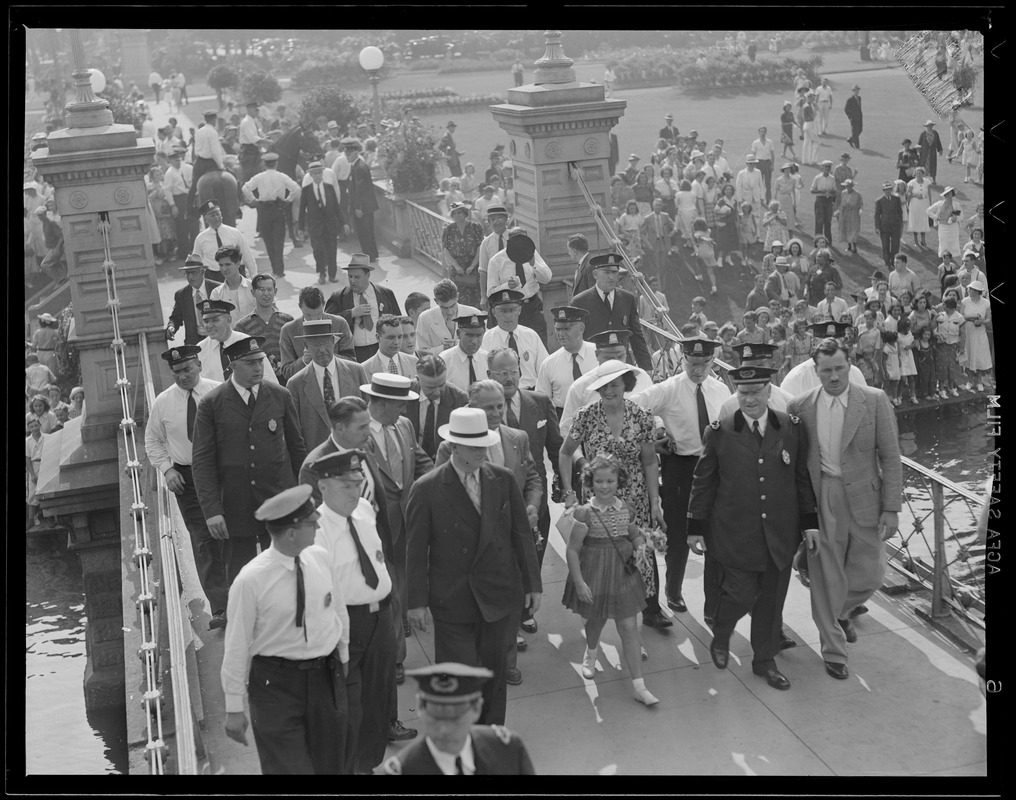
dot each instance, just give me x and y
(655, 540)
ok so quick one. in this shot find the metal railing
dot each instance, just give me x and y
(428, 231)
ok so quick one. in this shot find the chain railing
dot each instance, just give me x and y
(428, 232)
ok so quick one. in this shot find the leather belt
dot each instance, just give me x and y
(372, 608)
(830, 475)
(288, 663)
(45, 349)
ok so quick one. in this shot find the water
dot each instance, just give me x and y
(64, 739)
(951, 441)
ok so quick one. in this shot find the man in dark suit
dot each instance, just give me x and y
(751, 534)
(930, 145)
(247, 448)
(668, 131)
(321, 217)
(185, 302)
(611, 308)
(294, 354)
(362, 200)
(889, 222)
(361, 303)
(450, 702)
(438, 399)
(857, 476)
(853, 111)
(578, 249)
(323, 381)
(447, 146)
(470, 555)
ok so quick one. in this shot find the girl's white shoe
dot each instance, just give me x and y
(646, 697)
(589, 664)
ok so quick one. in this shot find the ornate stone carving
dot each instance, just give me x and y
(78, 200)
(529, 152)
(123, 195)
(553, 150)
(512, 147)
(591, 146)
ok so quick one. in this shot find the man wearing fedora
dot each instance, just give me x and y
(321, 216)
(632, 172)
(852, 108)
(247, 448)
(294, 357)
(668, 131)
(749, 187)
(889, 222)
(187, 300)
(518, 266)
(322, 381)
(447, 146)
(471, 560)
(362, 200)
(361, 303)
(929, 143)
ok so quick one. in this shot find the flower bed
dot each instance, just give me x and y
(475, 65)
(415, 94)
(736, 72)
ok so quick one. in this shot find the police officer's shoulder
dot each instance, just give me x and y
(392, 766)
(498, 732)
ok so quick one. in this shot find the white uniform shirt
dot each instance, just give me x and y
(579, 396)
(458, 367)
(262, 616)
(211, 363)
(333, 535)
(249, 131)
(208, 145)
(178, 181)
(242, 298)
(489, 247)
(368, 487)
(531, 350)
(674, 401)
(803, 378)
(271, 185)
(555, 376)
(446, 761)
(206, 245)
(166, 439)
(500, 269)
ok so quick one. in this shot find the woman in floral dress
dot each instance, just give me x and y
(629, 226)
(462, 240)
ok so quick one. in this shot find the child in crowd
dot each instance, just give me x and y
(698, 305)
(780, 358)
(799, 345)
(747, 235)
(774, 223)
(891, 366)
(751, 333)
(727, 334)
(705, 255)
(948, 325)
(924, 361)
(908, 369)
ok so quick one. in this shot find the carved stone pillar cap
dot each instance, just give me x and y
(87, 110)
(555, 66)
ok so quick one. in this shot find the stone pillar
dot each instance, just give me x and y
(554, 124)
(136, 59)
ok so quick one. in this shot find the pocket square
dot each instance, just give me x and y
(541, 423)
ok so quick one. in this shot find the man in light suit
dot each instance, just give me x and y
(389, 357)
(470, 555)
(436, 327)
(657, 233)
(438, 399)
(856, 473)
(323, 381)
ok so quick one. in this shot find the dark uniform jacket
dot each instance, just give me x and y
(623, 316)
(467, 568)
(496, 751)
(751, 502)
(342, 301)
(539, 420)
(242, 459)
(452, 397)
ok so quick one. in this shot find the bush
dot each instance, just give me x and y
(426, 64)
(410, 157)
(260, 87)
(332, 104)
(732, 71)
(222, 77)
(475, 65)
(125, 110)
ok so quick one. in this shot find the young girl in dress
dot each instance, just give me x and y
(774, 223)
(969, 152)
(800, 344)
(908, 369)
(924, 362)
(891, 366)
(599, 586)
(747, 234)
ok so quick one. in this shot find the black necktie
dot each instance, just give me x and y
(576, 373)
(500, 242)
(429, 424)
(329, 390)
(606, 301)
(218, 240)
(520, 273)
(703, 413)
(755, 430)
(192, 413)
(472, 372)
(366, 565)
(458, 766)
(513, 344)
(226, 369)
(251, 400)
(300, 597)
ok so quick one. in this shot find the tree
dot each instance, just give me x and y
(330, 103)
(220, 78)
(260, 87)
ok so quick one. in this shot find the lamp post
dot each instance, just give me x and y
(372, 59)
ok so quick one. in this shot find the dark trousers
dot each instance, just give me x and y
(371, 670)
(365, 233)
(532, 317)
(211, 555)
(676, 475)
(157, 88)
(855, 134)
(250, 162)
(298, 718)
(241, 549)
(186, 227)
(272, 222)
(480, 644)
(365, 352)
(824, 217)
(760, 594)
(890, 244)
(324, 247)
(766, 168)
(183, 96)
(518, 77)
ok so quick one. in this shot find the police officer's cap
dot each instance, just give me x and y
(209, 307)
(751, 376)
(829, 329)
(288, 507)
(208, 206)
(698, 348)
(750, 350)
(270, 158)
(505, 297)
(606, 260)
(472, 321)
(568, 314)
(251, 346)
(449, 682)
(182, 354)
(335, 465)
(610, 338)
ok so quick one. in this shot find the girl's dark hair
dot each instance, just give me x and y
(903, 326)
(889, 337)
(604, 461)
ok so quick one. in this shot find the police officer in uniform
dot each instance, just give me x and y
(752, 354)
(291, 633)
(275, 191)
(168, 442)
(348, 531)
(506, 306)
(450, 701)
(751, 499)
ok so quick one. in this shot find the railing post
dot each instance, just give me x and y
(940, 589)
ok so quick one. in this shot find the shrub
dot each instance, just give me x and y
(410, 157)
(332, 104)
(475, 65)
(260, 87)
(125, 110)
(222, 77)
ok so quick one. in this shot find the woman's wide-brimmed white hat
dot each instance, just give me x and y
(389, 387)
(977, 286)
(609, 371)
(468, 426)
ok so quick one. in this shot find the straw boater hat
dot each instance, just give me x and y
(468, 426)
(317, 327)
(608, 371)
(388, 386)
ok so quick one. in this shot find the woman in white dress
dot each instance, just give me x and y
(977, 310)
(919, 199)
(946, 215)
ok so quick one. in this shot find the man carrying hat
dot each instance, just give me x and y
(668, 131)
(823, 186)
(467, 361)
(506, 306)
(251, 142)
(610, 308)
(852, 109)
(274, 191)
(361, 303)
(321, 215)
(322, 381)
(169, 437)
(929, 144)
(493, 243)
(247, 447)
(450, 701)
(447, 146)
(573, 359)
(362, 200)
(186, 302)
(289, 646)
(471, 559)
(217, 235)
(750, 535)
(889, 222)
(519, 267)
(218, 322)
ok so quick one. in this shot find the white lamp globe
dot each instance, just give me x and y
(98, 80)
(372, 59)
